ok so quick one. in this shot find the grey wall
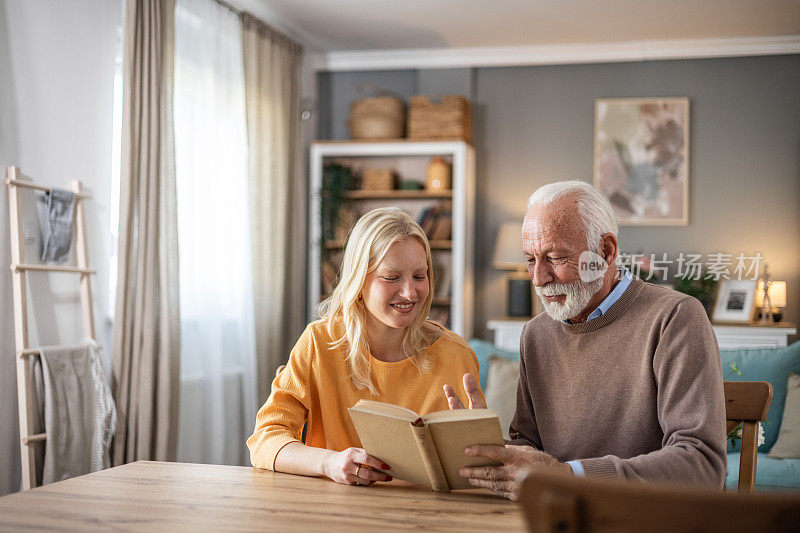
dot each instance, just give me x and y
(337, 90)
(56, 102)
(534, 125)
(9, 427)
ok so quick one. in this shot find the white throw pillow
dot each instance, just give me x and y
(501, 389)
(788, 444)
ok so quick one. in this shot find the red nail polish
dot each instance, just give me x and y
(384, 466)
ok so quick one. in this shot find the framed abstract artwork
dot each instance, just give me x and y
(641, 159)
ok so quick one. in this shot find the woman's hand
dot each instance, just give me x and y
(351, 467)
(473, 394)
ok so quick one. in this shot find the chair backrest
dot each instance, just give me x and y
(747, 403)
(555, 502)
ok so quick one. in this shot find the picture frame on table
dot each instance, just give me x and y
(735, 301)
(641, 159)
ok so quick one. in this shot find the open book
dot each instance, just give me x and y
(427, 450)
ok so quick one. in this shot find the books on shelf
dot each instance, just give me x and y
(429, 449)
(441, 315)
(328, 277)
(437, 220)
(329, 270)
(442, 267)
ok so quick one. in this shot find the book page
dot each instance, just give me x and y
(459, 414)
(386, 409)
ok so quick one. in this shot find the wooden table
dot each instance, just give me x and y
(157, 496)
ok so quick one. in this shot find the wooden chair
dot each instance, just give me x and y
(554, 502)
(747, 402)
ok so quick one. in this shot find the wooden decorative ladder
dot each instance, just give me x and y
(19, 269)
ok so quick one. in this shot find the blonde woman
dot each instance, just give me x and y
(373, 342)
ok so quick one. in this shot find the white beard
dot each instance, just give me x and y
(578, 294)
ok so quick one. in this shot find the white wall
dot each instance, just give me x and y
(56, 102)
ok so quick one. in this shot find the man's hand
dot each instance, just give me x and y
(517, 462)
(471, 388)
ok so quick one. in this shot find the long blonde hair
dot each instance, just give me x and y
(369, 241)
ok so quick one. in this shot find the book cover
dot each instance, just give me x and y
(428, 450)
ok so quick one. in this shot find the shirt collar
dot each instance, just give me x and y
(625, 280)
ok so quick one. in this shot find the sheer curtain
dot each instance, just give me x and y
(218, 397)
(277, 193)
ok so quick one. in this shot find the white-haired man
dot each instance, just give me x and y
(618, 378)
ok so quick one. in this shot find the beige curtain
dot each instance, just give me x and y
(147, 327)
(277, 193)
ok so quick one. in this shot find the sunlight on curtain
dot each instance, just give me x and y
(217, 327)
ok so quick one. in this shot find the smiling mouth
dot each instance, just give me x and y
(403, 307)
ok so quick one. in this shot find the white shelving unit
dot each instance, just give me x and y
(731, 336)
(507, 332)
(409, 159)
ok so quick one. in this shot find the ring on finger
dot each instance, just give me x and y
(358, 467)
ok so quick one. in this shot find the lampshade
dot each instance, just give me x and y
(508, 247)
(777, 293)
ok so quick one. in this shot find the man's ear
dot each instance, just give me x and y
(609, 247)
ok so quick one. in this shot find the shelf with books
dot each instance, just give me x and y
(438, 302)
(436, 244)
(447, 216)
(397, 194)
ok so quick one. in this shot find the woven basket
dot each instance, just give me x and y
(377, 117)
(447, 117)
(378, 179)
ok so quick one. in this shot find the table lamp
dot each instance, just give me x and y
(776, 299)
(508, 256)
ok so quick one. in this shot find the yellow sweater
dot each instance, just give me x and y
(316, 387)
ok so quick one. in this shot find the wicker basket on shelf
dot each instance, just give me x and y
(381, 116)
(447, 117)
(378, 179)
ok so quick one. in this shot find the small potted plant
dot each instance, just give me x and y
(337, 180)
(701, 287)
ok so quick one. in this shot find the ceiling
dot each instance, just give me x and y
(363, 25)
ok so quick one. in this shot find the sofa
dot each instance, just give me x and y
(764, 364)
(773, 365)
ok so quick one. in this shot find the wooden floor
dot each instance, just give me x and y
(156, 496)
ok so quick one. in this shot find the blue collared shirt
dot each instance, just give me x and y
(625, 280)
(605, 305)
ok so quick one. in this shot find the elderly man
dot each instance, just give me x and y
(618, 378)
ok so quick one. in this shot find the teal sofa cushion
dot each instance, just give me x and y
(484, 350)
(770, 473)
(765, 364)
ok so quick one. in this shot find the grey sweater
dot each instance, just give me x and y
(635, 393)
